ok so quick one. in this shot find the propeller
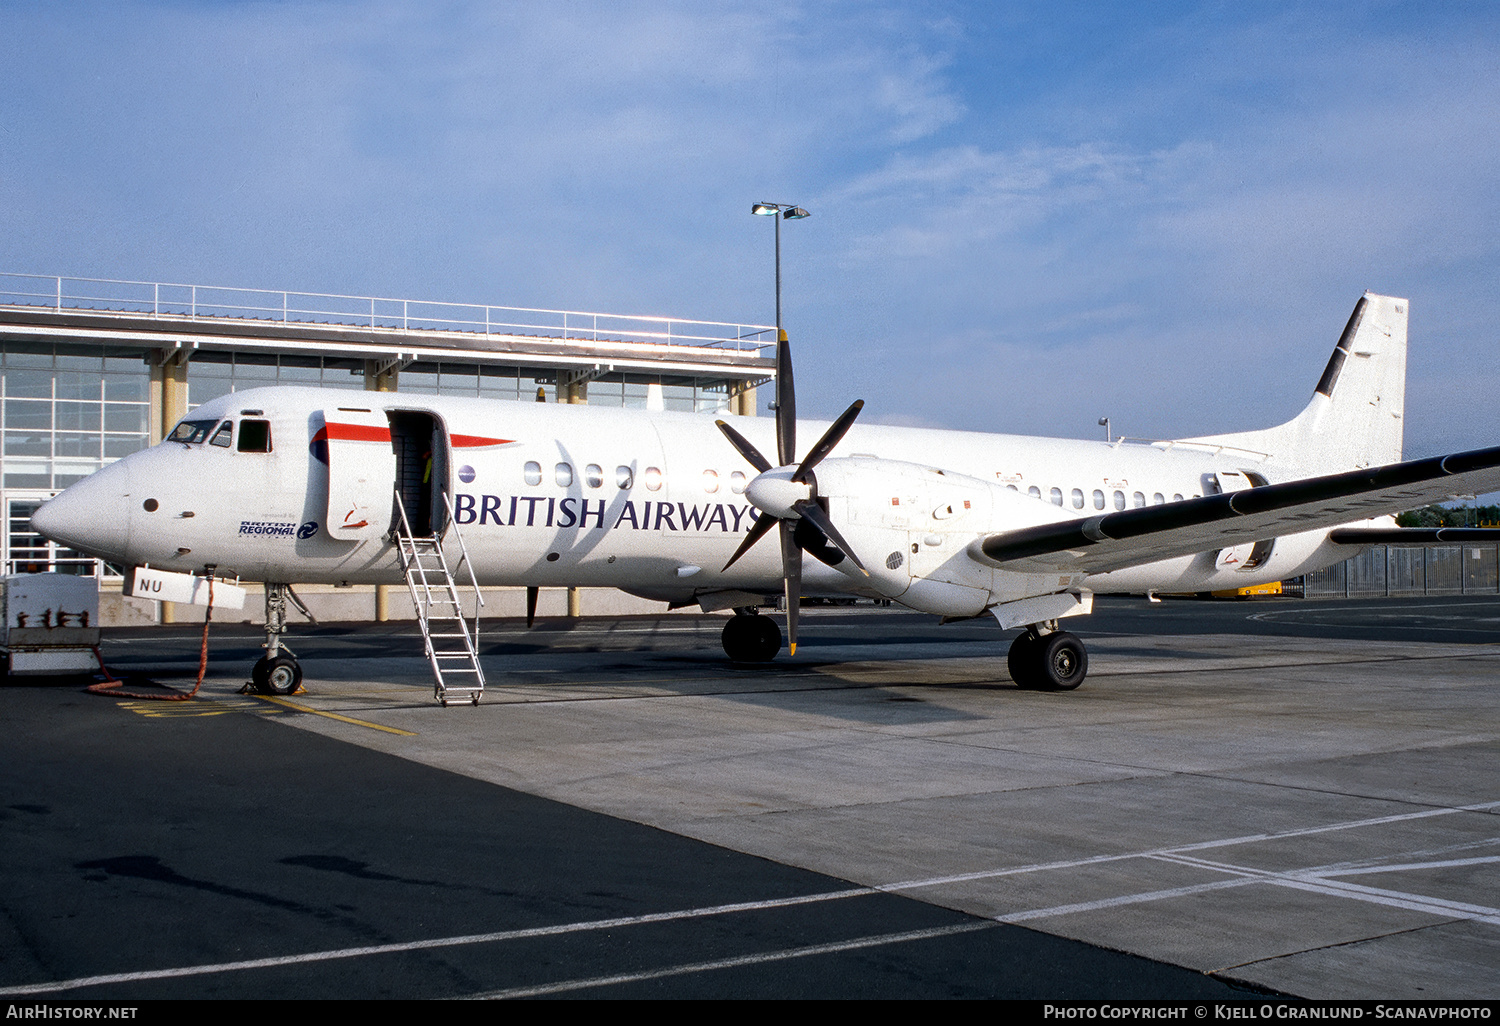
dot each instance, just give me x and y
(788, 495)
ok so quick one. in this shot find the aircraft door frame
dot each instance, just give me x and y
(417, 433)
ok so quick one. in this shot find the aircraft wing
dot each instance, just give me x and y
(1114, 541)
(1413, 535)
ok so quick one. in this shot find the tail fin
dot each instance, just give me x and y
(1355, 417)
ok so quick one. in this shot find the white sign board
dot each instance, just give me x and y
(143, 582)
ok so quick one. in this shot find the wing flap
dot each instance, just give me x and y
(1131, 537)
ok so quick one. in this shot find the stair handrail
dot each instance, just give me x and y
(463, 550)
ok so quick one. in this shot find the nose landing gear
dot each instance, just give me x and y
(277, 675)
(278, 672)
(1047, 659)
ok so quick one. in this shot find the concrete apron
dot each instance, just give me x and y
(1315, 816)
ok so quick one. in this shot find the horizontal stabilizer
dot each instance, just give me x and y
(1145, 535)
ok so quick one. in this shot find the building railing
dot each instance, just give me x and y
(213, 302)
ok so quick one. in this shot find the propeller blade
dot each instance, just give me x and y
(751, 453)
(786, 404)
(814, 514)
(791, 563)
(830, 438)
(763, 523)
(531, 594)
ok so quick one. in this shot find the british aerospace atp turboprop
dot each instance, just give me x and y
(292, 485)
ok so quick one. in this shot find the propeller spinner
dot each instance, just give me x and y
(787, 494)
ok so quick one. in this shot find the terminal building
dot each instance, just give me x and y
(92, 370)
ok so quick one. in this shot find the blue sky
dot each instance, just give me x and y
(1025, 216)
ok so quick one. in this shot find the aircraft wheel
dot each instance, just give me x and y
(1061, 661)
(1021, 661)
(751, 639)
(279, 676)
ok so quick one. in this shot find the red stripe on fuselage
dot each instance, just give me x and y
(477, 441)
(355, 433)
(372, 433)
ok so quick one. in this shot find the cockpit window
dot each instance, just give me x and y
(192, 432)
(255, 436)
(222, 436)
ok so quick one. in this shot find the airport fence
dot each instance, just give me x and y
(1406, 570)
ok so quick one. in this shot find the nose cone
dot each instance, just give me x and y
(92, 516)
(774, 492)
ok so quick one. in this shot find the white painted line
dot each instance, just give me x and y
(1405, 866)
(423, 945)
(735, 963)
(1093, 860)
(1315, 880)
(1123, 899)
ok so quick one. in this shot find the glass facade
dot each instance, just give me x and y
(212, 374)
(68, 410)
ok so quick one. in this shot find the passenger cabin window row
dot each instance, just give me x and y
(1116, 497)
(593, 477)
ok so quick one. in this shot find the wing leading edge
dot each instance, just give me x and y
(1131, 537)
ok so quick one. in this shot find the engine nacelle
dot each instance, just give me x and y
(912, 525)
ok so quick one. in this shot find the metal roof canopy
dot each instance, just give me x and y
(155, 316)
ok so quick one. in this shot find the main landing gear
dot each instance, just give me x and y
(1047, 659)
(278, 672)
(751, 638)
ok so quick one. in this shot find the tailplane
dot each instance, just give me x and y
(1355, 416)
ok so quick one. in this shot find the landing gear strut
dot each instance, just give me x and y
(751, 638)
(1047, 659)
(277, 672)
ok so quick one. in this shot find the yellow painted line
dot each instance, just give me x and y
(336, 716)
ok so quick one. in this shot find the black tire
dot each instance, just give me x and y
(279, 676)
(1021, 661)
(751, 639)
(1061, 661)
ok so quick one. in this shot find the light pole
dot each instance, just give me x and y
(790, 212)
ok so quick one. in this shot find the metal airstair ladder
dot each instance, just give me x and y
(449, 637)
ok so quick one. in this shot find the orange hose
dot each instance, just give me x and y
(111, 685)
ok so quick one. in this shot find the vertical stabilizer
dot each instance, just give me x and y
(1355, 416)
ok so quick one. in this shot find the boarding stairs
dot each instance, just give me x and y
(450, 638)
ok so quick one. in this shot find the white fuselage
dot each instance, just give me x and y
(650, 502)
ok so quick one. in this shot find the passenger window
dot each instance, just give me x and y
(624, 477)
(1034, 492)
(1057, 496)
(653, 479)
(255, 436)
(1119, 499)
(1176, 496)
(224, 435)
(1157, 499)
(1013, 488)
(1078, 498)
(710, 481)
(1137, 500)
(564, 475)
(1098, 499)
(533, 473)
(737, 482)
(593, 475)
